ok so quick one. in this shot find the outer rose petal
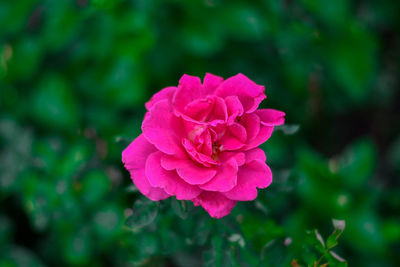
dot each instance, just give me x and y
(211, 82)
(252, 175)
(162, 129)
(263, 135)
(141, 182)
(255, 154)
(168, 180)
(189, 89)
(225, 179)
(134, 157)
(188, 170)
(251, 122)
(271, 117)
(165, 93)
(216, 204)
(249, 93)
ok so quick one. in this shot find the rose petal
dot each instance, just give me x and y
(168, 180)
(211, 82)
(162, 129)
(238, 156)
(189, 89)
(196, 155)
(216, 204)
(134, 158)
(165, 93)
(252, 175)
(219, 111)
(263, 135)
(271, 117)
(234, 138)
(199, 109)
(255, 154)
(251, 122)
(249, 93)
(188, 170)
(139, 179)
(135, 155)
(234, 107)
(225, 179)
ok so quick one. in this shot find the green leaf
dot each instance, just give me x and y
(213, 257)
(358, 163)
(180, 207)
(54, 104)
(144, 213)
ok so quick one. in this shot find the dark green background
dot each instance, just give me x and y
(74, 77)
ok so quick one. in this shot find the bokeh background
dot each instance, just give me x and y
(74, 77)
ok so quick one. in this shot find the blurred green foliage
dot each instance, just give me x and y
(74, 76)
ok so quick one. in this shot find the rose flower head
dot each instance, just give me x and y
(200, 143)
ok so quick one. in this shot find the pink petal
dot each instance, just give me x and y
(216, 204)
(211, 82)
(206, 147)
(238, 156)
(234, 107)
(189, 171)
(255, 154)
(162, 129)
(225, 179)
(141, 182)
(197, 156)
(249, 93)
(251, 122)
(134, 158)
(263, 135)
(252, 175)
(199, 109)
(219, 111)
(189, 89)
(168, 180)
(135, 155)
(234, 138)
(165, 93)
(271, 117)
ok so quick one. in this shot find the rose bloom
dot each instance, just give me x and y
(199, 143)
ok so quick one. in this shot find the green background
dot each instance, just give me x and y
(74, 77)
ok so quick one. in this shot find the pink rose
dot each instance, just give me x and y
(199, 143)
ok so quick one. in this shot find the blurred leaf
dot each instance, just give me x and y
(19, 256)
(95, 186)
(180, 207)
(54, 104)
(213, 257)
(333, 13)
(358, 163)
(144, 213)
(352, 61)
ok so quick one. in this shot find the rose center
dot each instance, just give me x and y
(216, 150)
